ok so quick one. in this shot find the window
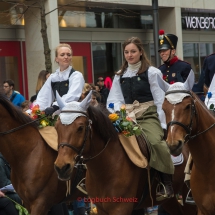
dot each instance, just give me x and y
(107, 59)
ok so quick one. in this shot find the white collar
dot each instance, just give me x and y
(134, 67)
(64, 71)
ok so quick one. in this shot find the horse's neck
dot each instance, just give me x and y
(202, 147)
(17, 146)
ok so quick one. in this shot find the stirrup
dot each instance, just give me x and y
(189, 200)
(81, 186)
(159, 196)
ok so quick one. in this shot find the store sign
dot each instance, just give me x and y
(200, 22)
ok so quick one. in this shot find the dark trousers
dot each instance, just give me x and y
(7, 207)
(59, 209)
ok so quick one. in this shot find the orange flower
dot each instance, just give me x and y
(35, 109)
(113, 117)
(128, 118)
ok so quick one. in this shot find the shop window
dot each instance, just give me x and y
(107, 59)
(9, 70)
(205, 50)
(191, 55)
(95, 17)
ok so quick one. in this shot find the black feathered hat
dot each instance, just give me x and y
(167, 41)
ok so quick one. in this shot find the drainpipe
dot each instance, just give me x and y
(155, 33)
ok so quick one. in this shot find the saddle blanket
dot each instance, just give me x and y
(178, 159)
(49, 134)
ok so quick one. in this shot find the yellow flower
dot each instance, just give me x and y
(113, 117)
(44, 123)
(122, 107)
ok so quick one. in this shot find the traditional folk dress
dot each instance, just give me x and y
(147, 98)
(68, 83)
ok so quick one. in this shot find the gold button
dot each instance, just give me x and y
(167, 70)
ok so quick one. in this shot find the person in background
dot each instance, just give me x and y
(7, 207)
(96, 98)
(103, 90)
(42, 77)
(209, 68)
(66, 81)
(137, 82)
(173, 69)
(25, 105)
(15, 97)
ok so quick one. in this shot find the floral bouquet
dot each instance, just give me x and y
(122, 123)
(43, 119)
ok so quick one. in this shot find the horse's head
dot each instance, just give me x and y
(179, 109)
(73, 128)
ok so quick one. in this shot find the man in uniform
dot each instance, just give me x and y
(209, 68)
(173, 69)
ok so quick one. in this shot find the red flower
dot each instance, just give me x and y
(172, 82)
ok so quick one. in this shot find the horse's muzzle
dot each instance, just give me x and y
(64, 173)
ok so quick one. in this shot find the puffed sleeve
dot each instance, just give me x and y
(76, 85)
(115, 95)
(157, 93)
(45, 96)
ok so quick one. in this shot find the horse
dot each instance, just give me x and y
(31, 161)
(111, 177)
(189, 121)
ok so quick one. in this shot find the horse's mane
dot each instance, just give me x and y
(101, 122)
(14, 111)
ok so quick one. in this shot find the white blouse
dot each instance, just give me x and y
(116, 96)
(46, 97)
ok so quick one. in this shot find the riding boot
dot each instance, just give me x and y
(166, 190)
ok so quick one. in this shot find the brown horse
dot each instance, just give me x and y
(111, 176)
(190, 121)
(31, 160)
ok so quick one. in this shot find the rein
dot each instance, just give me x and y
(188, 129)
(81, 150)
(20, 127)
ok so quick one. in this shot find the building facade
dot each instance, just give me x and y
(96, 31)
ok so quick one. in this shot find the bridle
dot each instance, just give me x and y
(188, 128)
(81, 150)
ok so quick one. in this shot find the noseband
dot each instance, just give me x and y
(80, 151)
(188, 128)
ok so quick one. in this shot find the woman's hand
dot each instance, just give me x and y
(1, 194)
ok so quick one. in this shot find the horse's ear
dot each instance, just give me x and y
(188, 84)
(60, 101)
(86, 102)
(162, 84)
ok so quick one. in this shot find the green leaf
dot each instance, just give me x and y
(211, 107)
(124, 124)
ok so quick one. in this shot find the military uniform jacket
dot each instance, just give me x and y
(209, 68)
(175, 70)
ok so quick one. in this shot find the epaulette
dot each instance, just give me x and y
(161, 65)
(184, 61)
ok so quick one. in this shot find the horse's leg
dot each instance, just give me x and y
(173, 207)
(40, 205)
(200, 213)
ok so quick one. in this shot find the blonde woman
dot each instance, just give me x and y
(68, 82)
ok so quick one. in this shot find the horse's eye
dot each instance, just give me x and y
(187, 107)
(81, 128)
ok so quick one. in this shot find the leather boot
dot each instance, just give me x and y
(166, 190)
